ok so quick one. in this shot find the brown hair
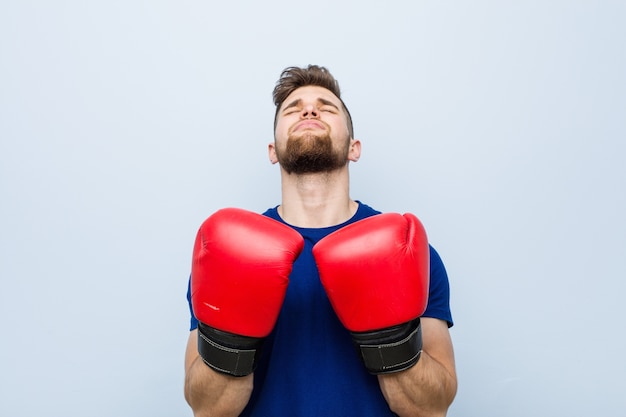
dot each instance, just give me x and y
(293, 78)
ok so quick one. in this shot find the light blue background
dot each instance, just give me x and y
(123, 124)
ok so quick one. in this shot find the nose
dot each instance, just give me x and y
(309, 111)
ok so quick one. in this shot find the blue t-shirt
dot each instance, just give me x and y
(308, 365)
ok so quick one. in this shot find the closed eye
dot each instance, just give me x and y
(292, 107)
(326, 105)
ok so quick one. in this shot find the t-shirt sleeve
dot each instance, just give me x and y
(193, 322)
(439, 292)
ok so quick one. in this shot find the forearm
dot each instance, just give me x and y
(425, 390)
(210, 393)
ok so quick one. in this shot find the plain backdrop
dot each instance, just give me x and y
(124, 124)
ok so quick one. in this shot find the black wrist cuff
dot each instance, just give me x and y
(390, 350)
(228, 353)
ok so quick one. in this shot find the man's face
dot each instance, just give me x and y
(311, 132)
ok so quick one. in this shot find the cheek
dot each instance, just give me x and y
(340, 127)
(281, 129)
(342, 132)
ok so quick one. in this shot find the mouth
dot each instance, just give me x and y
(308, 125)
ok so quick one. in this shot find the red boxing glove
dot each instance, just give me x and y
(376, 275)
(239, 276)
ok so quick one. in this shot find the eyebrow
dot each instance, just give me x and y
(298, 101)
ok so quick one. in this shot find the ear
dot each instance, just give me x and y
(271, 152)
(354, 152)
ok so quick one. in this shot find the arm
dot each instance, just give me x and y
(376, 273)
(211, 393)
(236, 292)
(428, 388)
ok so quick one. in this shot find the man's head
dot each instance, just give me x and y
(312, 127)
(293, 78)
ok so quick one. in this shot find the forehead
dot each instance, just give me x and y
(311, 93)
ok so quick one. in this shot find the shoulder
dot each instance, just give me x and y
(439, 291)
(272, 213)
(364, 211)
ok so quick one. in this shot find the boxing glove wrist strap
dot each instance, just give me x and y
(390, 350)
(228, 353)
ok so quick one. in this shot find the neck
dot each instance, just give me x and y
(316, 200)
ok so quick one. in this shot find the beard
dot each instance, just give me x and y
(311, 152)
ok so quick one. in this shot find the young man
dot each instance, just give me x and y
(291, 319)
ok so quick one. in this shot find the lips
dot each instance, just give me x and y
(308, 124)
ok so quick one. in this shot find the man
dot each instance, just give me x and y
(317, 323)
